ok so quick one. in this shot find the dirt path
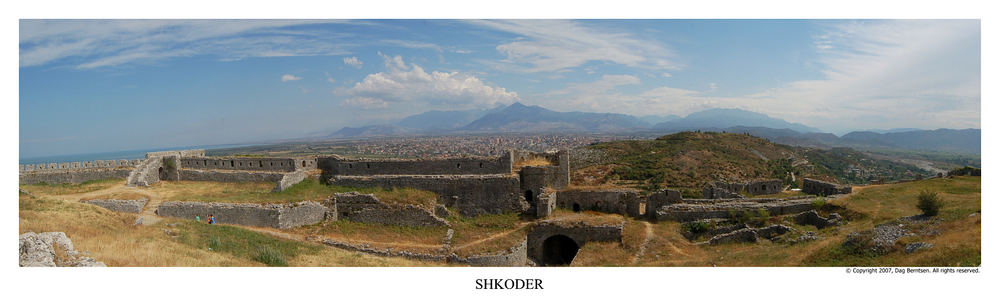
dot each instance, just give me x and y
(148, 212)
(492, 237)
(645, 242)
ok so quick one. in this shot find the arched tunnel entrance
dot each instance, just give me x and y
(558, 250)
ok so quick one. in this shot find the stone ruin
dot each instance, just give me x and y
(732, 190)
(367, 208)
(823, 188)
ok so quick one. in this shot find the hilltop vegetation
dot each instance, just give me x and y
(691, 159)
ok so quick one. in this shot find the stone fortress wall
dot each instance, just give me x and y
(281, 216)
(335, 165)
(473, 186)
(367, 208)
(249, 163)
(75, 172)
(823, 188)
(727, 190)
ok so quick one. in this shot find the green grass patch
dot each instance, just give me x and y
(269, 250)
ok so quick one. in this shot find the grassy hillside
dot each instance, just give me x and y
(955, 233)
(691, 159)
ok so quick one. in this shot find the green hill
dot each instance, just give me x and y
(691, 159)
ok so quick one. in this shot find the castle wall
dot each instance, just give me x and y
(71, 176)
(280, 216)
(85, 171)
(513, 257)
(230, 176)
(249, 164)
(457, 166)
(471, 195)
(659, 199)
(367, 208)
(689, 212)
(823, 188)
(290, 179)
(608, 201)
(128, 206)
(556, 177)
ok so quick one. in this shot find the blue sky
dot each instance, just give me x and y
(106, 85)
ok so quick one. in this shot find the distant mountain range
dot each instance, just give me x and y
(518, 117)
(722, 118)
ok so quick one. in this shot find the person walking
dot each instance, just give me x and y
(197, 217)
(211, 219)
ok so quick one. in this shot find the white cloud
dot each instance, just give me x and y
(412, 44)
(403, 83)
(553, 45)
(87, 44)
(353, 61)
(877, 74)
(289, 78)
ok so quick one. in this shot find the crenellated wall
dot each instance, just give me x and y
(334, 165)
(249, 164)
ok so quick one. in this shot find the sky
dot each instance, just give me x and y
(90, 86)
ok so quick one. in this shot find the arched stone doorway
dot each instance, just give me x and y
(558, 250)
(529, 196)
(576, 207)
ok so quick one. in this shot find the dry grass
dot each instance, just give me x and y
(592, 218)
(67, 188)
(111, 238)
(500, 243)
(417, 239)
(472, 229)
(532, 161)
(260, 192)
(118, 195)
(605, 253)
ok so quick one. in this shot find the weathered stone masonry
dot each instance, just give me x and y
(367, 208)
(83, 171)
(823, 188)
(471, 195)
(280, 216)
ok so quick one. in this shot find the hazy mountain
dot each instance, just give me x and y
(521, 118)
(725, 118)
(444, 120)
(943, 140)
(656, 119)
(892, 130)
(369, 131)
(950, 140)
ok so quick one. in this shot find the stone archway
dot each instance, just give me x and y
(558, 250)
(576, 207)
(529, 196)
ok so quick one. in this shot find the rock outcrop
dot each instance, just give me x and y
(51, 249)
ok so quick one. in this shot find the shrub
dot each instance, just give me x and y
(819, 203)
(929, 202)
(696, 227)
(269, 256)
